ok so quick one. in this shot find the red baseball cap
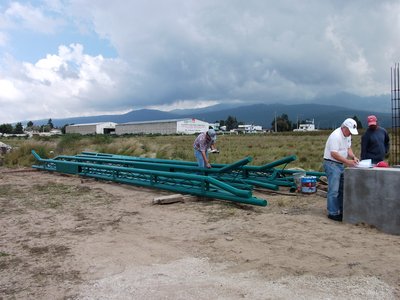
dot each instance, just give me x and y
(372, 120)
(382, 164)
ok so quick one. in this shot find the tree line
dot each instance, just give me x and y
(282, 123)
(19, 128)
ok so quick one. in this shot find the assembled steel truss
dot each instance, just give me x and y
(232, 182)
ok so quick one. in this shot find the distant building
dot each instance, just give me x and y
(249, 128)
(175, 126)
(308, 126)
(91, 128)
(216, 126)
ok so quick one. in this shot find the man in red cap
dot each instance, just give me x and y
(374, 142)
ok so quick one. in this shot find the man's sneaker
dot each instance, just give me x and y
(338, 218)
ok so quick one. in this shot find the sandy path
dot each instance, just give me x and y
(63, 237)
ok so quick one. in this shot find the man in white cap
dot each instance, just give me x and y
(337, 155)
(201, 144)
(374, 142)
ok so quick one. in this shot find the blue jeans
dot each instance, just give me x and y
(200, 161)
(334, 172)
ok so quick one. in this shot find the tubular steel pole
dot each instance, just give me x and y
(395, 94)
(397, 99)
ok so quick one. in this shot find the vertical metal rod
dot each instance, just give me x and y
(396, 99)
(392, 150)
(395, 94)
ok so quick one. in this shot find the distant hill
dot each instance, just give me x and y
(132, 116)
(325, 116)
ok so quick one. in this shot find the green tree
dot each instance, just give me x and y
(19, 129)
(6, 128)
(282, 123)
(231, 123)
(29, 124)
(50, 124)
(63, 131)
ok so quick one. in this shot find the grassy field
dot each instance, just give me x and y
(263, 148)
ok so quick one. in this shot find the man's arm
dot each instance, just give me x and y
(349, 162)
(203, 153)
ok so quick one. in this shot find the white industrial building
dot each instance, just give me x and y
(91, 128)
(175, 126)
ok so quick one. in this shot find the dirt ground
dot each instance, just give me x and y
(64, 237)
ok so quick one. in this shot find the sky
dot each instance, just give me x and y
(68, 58)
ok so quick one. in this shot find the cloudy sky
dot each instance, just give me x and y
(65, 58)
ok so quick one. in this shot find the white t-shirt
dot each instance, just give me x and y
(337, 142)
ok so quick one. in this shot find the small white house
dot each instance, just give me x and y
(308, 126)
(91, 128)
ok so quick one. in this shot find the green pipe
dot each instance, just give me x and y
(235, 165)
(267, 166)
(210, 194)
(271, 165)
(261, 181)
(265, 185)
(253, 182)
(308, 173)
(159, 166)
(170, 167)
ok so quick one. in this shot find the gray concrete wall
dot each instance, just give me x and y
(372, 196)
(81, 129)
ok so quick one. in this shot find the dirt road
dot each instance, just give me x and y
(64, 237)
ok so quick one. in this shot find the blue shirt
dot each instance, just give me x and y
(375, 144)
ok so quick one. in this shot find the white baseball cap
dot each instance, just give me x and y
(351, 125)
(213, 135)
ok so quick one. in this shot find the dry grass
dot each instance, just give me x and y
(263, 148)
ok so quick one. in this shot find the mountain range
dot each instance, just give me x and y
(323, 112)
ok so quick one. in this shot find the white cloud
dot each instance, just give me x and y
(181, 52)
(63, 85)
(32, 18)
(184, 104)
(3, 39)
(8, 92)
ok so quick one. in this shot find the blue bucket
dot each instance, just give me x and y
(308, 184)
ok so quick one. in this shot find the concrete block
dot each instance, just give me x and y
(372, 196)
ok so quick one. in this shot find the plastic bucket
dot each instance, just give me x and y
(297, 179)
(308, 184)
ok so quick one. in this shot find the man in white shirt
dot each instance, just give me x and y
(337, 155)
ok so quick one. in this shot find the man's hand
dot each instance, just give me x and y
(352, 162)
